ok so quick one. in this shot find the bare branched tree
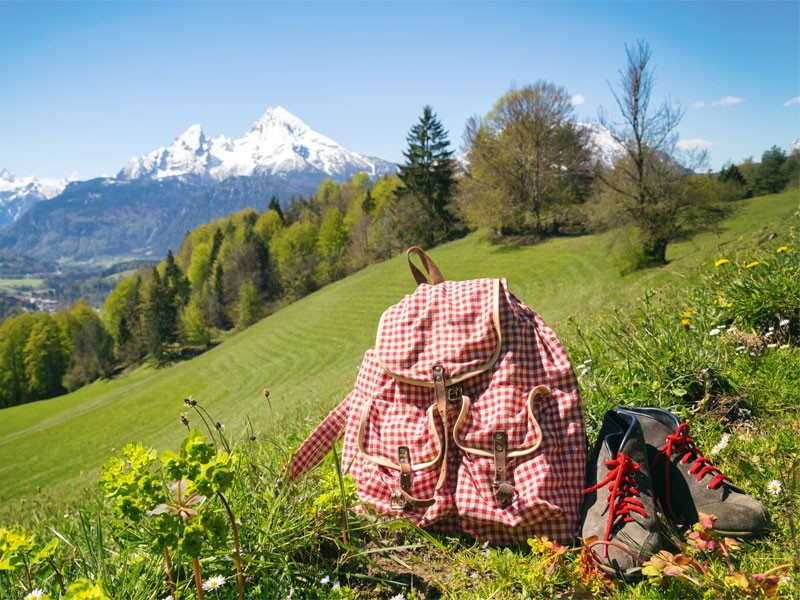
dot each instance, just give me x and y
(649, 187)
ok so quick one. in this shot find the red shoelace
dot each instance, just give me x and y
(623, 496)
(681, 444)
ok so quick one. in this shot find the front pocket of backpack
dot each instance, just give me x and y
(400, 456)
(480, 483)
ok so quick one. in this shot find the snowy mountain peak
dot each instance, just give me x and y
(17, 194)
(277, 117)
(187, 155)
(278, 143)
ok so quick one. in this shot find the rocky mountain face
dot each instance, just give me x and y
(157, 198)
(18, 194)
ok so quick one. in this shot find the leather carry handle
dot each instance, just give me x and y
(432, 273)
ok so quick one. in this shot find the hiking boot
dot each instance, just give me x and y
(619, 507)
(687, 483)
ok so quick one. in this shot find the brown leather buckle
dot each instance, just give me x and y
(397, 501)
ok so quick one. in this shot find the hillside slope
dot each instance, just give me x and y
(308, 353)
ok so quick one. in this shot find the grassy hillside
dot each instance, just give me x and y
(307, 354)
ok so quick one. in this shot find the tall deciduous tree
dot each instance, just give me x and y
(46, 358)
(526, 157)
(648, 188)
(428, 176)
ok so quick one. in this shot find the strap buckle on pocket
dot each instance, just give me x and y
(503, 490)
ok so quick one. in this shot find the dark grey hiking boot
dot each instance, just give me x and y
(687, 483)
(619, 507)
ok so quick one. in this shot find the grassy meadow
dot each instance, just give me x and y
(307, 356)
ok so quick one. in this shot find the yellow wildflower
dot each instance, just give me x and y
(685, 323)
(781, 249)
(751, 264)
(686, 313)
(721, 261)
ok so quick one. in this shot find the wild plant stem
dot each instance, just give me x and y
(168, 569)
(198, 580)
(235, 527)
(340, 476)
(58, 575)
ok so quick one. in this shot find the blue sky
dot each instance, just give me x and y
(84, 85)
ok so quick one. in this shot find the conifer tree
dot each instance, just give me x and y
(428, 174)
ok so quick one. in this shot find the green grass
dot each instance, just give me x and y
(307, 354)
(298, 539)
(15, 286)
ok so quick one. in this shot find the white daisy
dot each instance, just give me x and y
(35, 594)
(213, 583)
(774, 487)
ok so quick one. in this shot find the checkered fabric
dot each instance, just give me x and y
(495, 351)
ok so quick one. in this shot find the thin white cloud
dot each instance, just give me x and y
(795, 100)
(727, 101)
(578, 99)
(699, 104)
(695, 144)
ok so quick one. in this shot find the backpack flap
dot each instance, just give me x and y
(455, 324)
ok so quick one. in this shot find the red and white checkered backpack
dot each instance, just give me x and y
(466, 414)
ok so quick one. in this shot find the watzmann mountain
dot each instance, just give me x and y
(156, 198)
(278, 144)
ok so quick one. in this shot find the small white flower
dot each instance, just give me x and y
(34, 594)
(716, 449)
(336, 585)
(325, 580)
(213, 583)
(774, 487)
(398, 597)
(724, 441)
(169, 597)
(769, 333)
(714, 331)
(784, 323)
(772, 345)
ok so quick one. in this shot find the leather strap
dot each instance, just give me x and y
(441, 394)
(402, 499)
(432, 273)
(503, 490)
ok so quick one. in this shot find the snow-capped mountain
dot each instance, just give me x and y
(277, 144)
(18, 194)
(793, 147)
(605, 148)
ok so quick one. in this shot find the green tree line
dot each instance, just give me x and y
(527, 172)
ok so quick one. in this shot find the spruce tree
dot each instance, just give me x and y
(428, 174)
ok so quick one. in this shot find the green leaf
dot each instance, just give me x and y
(748, 470)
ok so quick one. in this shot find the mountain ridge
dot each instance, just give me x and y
(278, 143)
(156, 198)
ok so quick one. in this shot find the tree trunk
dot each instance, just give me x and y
(655, 251)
